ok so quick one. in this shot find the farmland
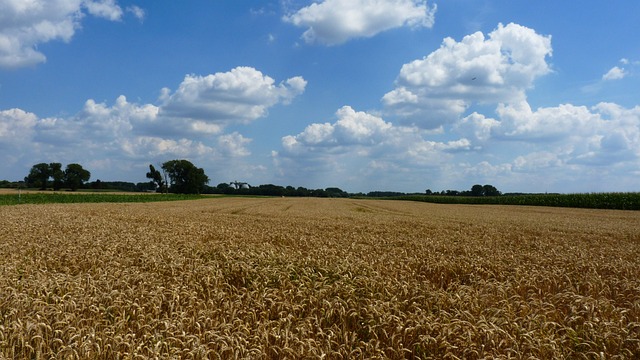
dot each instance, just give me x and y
(13, 197)
(619, 201)
(277, 278)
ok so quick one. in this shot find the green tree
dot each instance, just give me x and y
(477, 190)
(156, 177)
(486, 190)
(336, 192)
(224, 188)
(490, 190)
(185, 177)
(75, 176)
(38, 176)
(57, 174)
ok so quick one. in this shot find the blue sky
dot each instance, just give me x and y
(364, 95)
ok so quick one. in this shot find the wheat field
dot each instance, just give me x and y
(278, 278)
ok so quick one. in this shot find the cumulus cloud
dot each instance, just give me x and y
(544, 147)
(333, 22)
(206, 104)
(476, 126)
(360, 145)
(107, 9)
(150, 147)
(605, 134)
(188, 123)
(615, 73)
(234, 145)
(16, 127)
(351, 128)
(26, 24)
(495, 69)
(535, 161)
(519, 121)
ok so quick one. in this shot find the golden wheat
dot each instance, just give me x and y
(317, 278)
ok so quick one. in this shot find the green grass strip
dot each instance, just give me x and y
(68, 198)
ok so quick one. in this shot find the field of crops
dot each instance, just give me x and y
(280, 278)
(14, 197)
(618, 201)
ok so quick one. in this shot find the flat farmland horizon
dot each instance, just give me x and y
(275, 278)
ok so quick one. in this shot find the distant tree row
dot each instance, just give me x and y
(241, 188)
(121, 186)
(183, 177)
(476, 190)
(43, 176)
(175, 176)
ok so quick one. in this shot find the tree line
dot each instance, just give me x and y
(276, 190)
(178, 176)
(43, 176)
(183, 177)
(476, 190)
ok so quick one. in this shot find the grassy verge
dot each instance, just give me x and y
(617, 201)
(50, 198)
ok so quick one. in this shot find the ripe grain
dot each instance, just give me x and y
(317, 278)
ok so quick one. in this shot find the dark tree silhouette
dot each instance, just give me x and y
(156, 177)
(75, 176)
(185, 177)
(38, 176)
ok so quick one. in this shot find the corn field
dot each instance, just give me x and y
(278, 278)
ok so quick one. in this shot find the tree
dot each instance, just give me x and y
(477, 190)
(38, 176)
(146, 186)
(156, 177)
(486, 190)
(75, 176)
(268, 190)
(57, 174)
(224, 188)
(185, 177)
(336, 192)
(490, 190)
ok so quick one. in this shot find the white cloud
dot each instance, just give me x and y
(206, 104)
(24, 24)
(535, 161)
(519, 121)
(187, 124)
(499, 69)
(540, 149)
(476, 126)
(359, 147)
(615, 139)
(137, 11)
(615, 73)
(234, 145)
(605, 134)
(149, 147)
(333, 22)
(107, 9)
(351, 128)
(16, 127)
